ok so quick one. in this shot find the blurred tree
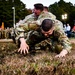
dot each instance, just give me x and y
(6, 11)
(58, 8)
(62, 7)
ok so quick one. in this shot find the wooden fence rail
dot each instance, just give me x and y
(6, 41)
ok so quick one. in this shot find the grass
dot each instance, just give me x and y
(39, 62)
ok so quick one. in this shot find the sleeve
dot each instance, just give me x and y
(24, 28)
(44, 15)
(63, 39)
(27, 18)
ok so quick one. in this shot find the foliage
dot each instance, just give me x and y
(58, 8)
(39, 62)
(62, 7)
(6, 11)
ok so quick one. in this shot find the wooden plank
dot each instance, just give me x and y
(6, 40)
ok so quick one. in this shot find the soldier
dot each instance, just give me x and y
(46, 8)
(48, 34)
(37, 16)
(42, 29)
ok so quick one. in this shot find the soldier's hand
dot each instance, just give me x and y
(23, 47)
(62, 54)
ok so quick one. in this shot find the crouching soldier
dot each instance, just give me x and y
(49, 33)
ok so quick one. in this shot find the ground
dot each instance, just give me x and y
(39, 62)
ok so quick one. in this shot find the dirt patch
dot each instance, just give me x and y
(39, 62)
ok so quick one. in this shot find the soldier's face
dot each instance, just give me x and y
(47, 33)
(36, 11)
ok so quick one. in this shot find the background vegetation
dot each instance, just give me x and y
(37, 62)
(61, 8)
(6, 11)
(58, 8)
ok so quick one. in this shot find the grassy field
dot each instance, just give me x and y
(39, 62)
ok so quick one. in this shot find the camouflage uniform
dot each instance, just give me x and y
(31, 22)
(31, 31)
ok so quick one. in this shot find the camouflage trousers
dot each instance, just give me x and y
(37, 39)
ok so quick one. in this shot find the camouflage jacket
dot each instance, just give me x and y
(32, 24)
(33, 19)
